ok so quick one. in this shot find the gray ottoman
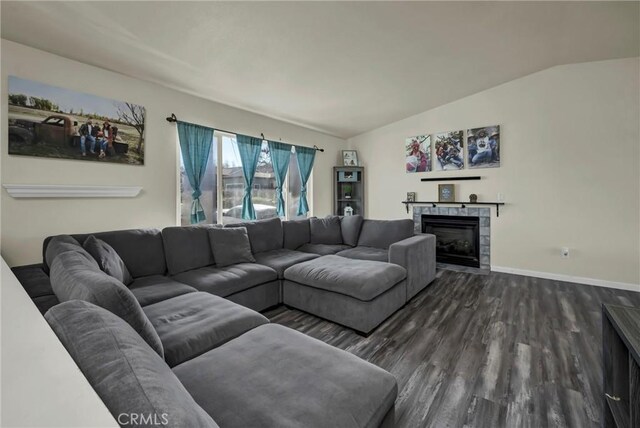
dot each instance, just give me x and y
(359, 294)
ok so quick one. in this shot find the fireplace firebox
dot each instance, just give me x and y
(457, 238)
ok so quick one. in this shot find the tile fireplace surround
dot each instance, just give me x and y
(485, 230)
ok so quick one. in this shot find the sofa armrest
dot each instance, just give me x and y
(417, 255)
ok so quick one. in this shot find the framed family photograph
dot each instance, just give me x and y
(418, 153)
(449, 151)
(411, 196)
(350, 158)
(483, 147)
(53, 122)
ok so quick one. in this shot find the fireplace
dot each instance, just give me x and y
(457, 238)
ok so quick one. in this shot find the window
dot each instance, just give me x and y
(223, 185)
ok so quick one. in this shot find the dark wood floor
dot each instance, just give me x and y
(493, 350)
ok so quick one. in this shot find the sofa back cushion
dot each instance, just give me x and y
(296, 233)
(264, 235)
(108, 260)
(187, 248)
(383, 233)
(141, 250)
(230, 246)
(73, 277)
(60, 244)
(326, 230)
(350, 227)
(128, 376)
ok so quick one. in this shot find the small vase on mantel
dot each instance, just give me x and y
(473, 198)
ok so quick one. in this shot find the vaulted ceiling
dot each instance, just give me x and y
(339, 67)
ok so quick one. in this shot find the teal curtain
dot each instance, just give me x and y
(280, 156)
(305, 157)
(249, 148)
(195, 145)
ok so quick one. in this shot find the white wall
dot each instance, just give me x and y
(570, 153)
(24, 223)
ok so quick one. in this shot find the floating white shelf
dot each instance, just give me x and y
(67, 191)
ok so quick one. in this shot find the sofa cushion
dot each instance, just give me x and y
(59, 244)
(140, 249)
(323, 249)
(187, 247)
(383, 233)
(325, 230)
(365, 253)
(264, 235)
(227, 280)
(107, 258)
(280, 260)
(73, 277)
(128, 376)
(156, 288)
(350, 228)
(230, 246)
(297, 381)
(194, 323)
(33, 279)
(296, 233)
(361, 279)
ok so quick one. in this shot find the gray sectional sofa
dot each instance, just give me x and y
(196, 323)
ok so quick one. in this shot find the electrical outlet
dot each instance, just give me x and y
(564, 252)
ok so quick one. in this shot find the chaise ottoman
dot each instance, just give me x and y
(359, 294)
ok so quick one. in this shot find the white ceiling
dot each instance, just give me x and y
(339, 67)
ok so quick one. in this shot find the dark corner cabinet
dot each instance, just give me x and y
(348, 189)
(621, 348)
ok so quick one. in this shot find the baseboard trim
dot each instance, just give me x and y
(569, 278)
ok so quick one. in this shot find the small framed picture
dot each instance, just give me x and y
(411, 196)
(446, 193)
(350, 158)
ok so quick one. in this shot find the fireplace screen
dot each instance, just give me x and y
(457, 238)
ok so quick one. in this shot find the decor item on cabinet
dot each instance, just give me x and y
(418, 153)
(53, 122)
(348, 189)
(483, 147)
(411, 196)
(446, 193)
(473, 198)
(350, 158)
(348, 210)
(449, 151)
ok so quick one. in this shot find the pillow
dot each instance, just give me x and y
(264, 235)
(296, 233)
(230, 246)
(60, 244)
(326, 230)
(350, 227)
(108, 260)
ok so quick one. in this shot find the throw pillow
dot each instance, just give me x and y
(230, 246)
(326, 230)
(108, 260)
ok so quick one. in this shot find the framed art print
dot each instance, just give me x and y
(446, 193)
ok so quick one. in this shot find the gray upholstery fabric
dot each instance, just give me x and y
(365, 253)
(325, 230)
(107, 258)
(44, 303)
(230, 246)
(187, 248)
(296, 233)
(227, 280)
(345, 310)
(194, 323)
(33, 279)
(418, 256)
(264, 235)
(156, 288)
(360, 279)
(59, 244)
(258, 298)
(273, 376)
(323, 249)
(128, 376)
(73, 277)
(350, 228)
(140, 249)
(383, 233)
(280, 260)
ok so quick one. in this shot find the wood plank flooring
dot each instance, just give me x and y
(493, 350)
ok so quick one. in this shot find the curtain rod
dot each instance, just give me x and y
(174, 119)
